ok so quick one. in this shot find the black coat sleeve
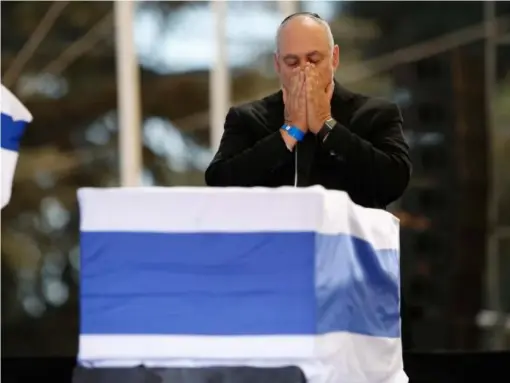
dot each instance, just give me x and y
(242, 159)
(379, 167)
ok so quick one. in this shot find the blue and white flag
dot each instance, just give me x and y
(15, 116)
(190, 277)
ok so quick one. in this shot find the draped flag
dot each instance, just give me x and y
(192, 277)
(15, 116)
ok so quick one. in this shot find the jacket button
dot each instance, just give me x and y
(337, 156)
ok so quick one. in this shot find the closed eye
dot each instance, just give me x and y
(315, 58)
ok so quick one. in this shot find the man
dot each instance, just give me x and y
(313, 131)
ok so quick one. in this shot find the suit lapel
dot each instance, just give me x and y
(275, 111)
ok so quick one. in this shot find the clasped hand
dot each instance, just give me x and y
(307, 101)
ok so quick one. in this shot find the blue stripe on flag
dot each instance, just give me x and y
(357, 287)
(11, 132)
(235, 284)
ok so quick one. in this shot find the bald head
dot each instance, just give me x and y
(303, 40)
(304, 25)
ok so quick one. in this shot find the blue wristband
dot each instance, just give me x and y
(294, 132)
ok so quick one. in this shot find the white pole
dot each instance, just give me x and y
(493, 265)
(219, 82)
(128, 93)
(288, 7)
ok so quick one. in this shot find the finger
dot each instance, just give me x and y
(295, 73)
(311, 78)
(315, 72)
(295, 82)
(285, 96)
(302, 81)
(308, 72)
(302, 93)
(316, 76)
(289, 84)
(308, 94)
(297, 90)
(310, 81)
(302, 89)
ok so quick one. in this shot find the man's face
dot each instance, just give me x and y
(305, 41)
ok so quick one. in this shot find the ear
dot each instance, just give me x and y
(276, 63)
(336, 57)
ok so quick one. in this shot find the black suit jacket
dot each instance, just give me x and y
(365, 154)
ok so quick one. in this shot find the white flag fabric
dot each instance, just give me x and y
(195, 277)
(15, 117)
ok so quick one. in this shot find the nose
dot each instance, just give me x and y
(303, 65)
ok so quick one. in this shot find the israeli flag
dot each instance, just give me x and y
(15, 116)
(191, 277)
